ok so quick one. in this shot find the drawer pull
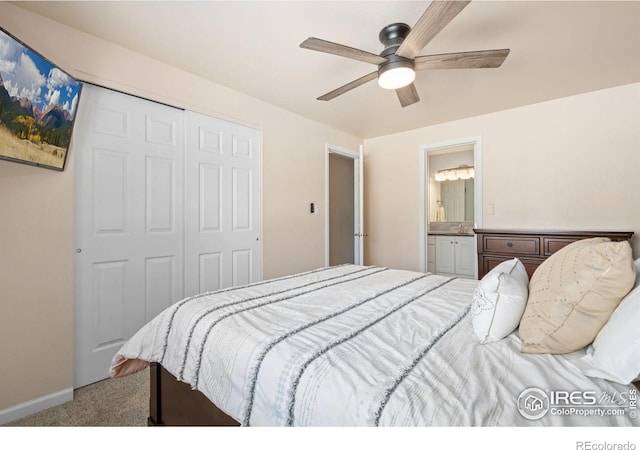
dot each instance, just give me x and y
(509, 244)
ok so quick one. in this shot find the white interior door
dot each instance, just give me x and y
(129, 228)
(360, 234)
(222, 241)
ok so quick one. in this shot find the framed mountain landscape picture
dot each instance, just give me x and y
(37, 106)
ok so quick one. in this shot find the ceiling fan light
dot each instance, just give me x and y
(396, 77)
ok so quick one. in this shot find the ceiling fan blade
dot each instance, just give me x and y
(434, 19)
(347, 87)
(341, 50)
(408, 95)
(482, 59)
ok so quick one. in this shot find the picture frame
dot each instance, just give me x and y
(38, 105)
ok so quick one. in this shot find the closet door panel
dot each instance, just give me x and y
(129, 157)
(222, 240)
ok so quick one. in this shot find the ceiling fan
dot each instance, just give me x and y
(398, 62)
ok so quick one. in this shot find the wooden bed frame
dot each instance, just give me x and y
(174, 403)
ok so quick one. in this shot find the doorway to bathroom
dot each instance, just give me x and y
(450, 206)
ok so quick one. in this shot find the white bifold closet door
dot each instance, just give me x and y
(135, 218)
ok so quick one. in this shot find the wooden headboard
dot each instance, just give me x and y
(531, 247)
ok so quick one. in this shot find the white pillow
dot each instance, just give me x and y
(615, 352)
(499, 301)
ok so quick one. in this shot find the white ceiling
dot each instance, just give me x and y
(557, 49)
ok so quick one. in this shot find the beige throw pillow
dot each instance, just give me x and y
(573, 293)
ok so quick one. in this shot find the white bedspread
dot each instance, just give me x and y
(355, 346)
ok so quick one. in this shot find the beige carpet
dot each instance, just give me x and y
(115, 402)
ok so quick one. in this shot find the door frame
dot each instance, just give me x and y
(476, 141)
(358, 202)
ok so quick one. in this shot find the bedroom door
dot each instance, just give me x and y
(222, 203)
(128, 156)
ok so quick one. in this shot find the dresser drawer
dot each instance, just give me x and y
(512, 245)
(489, 262)
(551, 245)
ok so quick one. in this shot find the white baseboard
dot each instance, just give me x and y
(33, 406)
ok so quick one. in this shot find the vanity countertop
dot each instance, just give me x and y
(451, 228)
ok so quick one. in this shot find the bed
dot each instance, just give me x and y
(354, 345)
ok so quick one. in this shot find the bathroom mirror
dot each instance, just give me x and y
(456, 201)
(451, 184)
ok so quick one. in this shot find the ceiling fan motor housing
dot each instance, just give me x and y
(391, 37)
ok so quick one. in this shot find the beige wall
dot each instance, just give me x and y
(36, 205)
(570, 163)
(36, 282)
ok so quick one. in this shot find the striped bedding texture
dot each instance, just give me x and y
(352, 346)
